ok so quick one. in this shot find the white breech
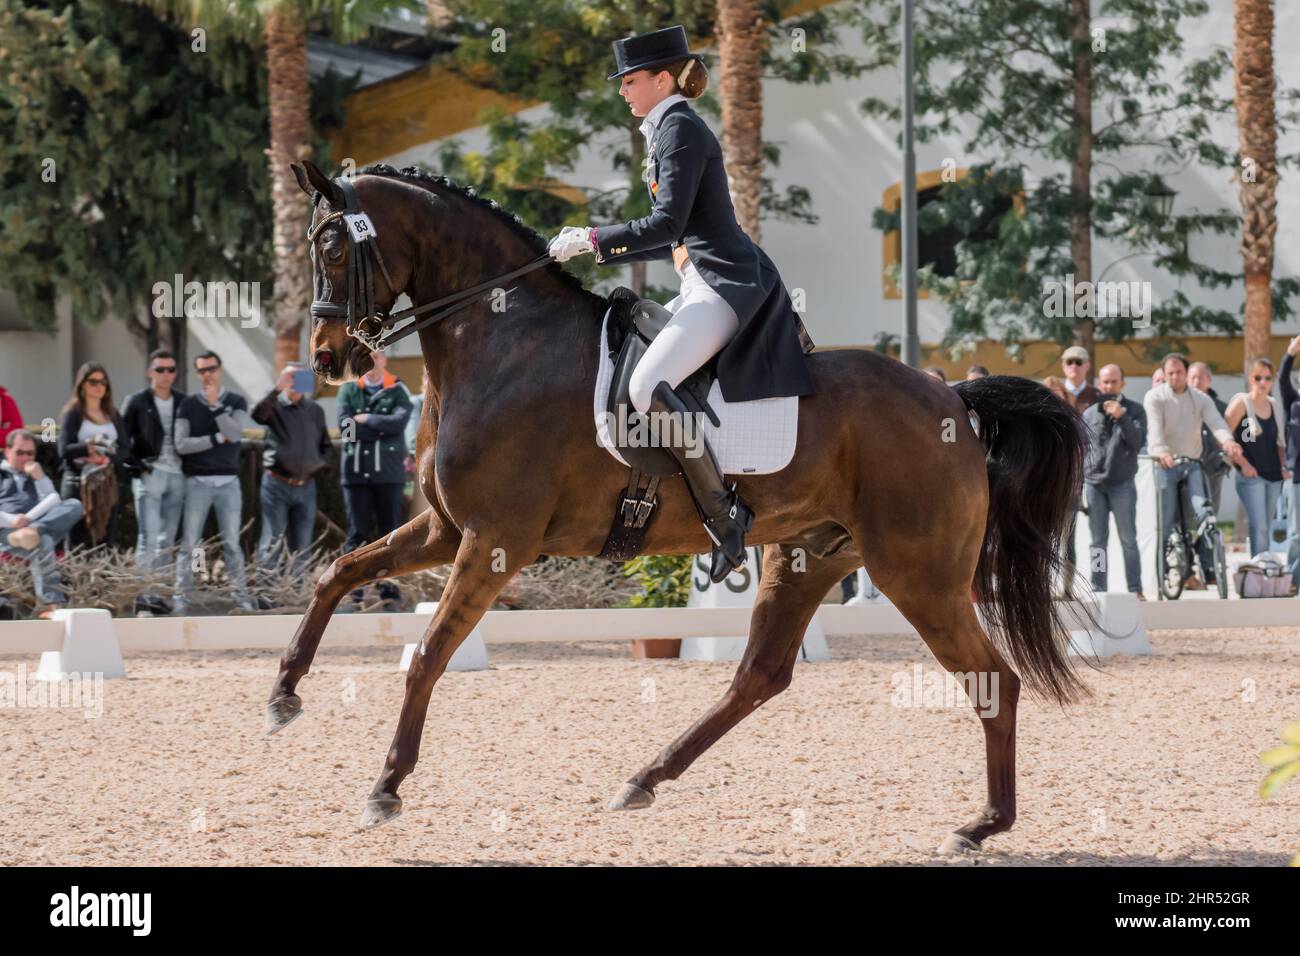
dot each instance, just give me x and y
(701, 325)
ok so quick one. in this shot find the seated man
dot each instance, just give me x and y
(32, 518)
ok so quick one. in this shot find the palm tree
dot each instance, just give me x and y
(1257, 143)
(1081, 163)
(281, 26)
(742, 41)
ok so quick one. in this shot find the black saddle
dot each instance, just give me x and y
(633, 324)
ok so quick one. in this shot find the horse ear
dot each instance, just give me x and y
(300, 174)
(322, 184)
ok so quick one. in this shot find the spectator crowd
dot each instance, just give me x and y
(181, 456)
(1194, 437)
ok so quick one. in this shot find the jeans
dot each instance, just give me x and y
(1259, 499)
(858, 585)
(373, 511)
(1215, 481)
(288, 511)
(1071, 559)
(1121, 501)
(159, 496)
(1293, 531)
(53, 526)
(200, 498)
(1199, 492)
(1070, 564)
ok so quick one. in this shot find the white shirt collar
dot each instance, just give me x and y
(1076, 389)
(651, 121)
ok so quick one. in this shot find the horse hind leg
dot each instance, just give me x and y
(952, 631)
(788, 596)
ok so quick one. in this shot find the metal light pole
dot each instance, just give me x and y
(911, 343)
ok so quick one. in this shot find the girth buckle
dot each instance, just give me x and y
(636, 511)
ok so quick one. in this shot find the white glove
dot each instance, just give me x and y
(572, 241)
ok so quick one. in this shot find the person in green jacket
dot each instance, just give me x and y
(372, 413)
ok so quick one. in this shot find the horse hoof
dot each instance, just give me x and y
(957, 845)
(632, 797)
(380, 810)
(281, 712)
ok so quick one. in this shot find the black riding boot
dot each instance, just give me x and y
(726, 518)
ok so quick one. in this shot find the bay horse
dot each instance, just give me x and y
(889, 471)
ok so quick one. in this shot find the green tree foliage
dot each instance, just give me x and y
(559, 52)
(126, 156)
(1283, 764)
(1002, 74)
(665, 579)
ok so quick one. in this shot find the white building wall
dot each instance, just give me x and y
(38, 368)
(109, 343)
(844, 159)
(847, 161)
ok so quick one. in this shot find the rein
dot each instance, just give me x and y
(363, 255)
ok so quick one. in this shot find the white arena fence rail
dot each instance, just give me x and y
(141, 635)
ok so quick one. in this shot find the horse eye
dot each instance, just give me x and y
(333, 253)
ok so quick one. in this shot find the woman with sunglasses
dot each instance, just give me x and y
(90, 438)
(1256, 419)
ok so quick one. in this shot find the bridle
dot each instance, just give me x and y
(365, 323)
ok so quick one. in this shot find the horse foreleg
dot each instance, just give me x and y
(421, 543)
(787, 599)
(482, 568)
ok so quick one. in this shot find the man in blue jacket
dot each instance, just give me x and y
(1117, 430)
(209, 425)
(373, 412)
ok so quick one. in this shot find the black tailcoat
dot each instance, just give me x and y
(692, 206)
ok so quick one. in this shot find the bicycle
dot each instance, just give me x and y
(1178, 554)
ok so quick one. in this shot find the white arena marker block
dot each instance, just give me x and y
(738, 589)
(470, 656)
(89, 646)
(1121, 631)
(814, 641)
(814, 647)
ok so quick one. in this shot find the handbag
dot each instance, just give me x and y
(99, 496)
(1264, 576)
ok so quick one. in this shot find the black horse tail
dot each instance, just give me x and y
(1034, 444)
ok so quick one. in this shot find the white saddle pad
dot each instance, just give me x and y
(755, 438)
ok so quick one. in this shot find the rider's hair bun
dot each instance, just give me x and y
(690, 77)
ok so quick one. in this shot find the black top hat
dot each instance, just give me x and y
(651, 49)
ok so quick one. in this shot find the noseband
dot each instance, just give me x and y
(365, 323)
